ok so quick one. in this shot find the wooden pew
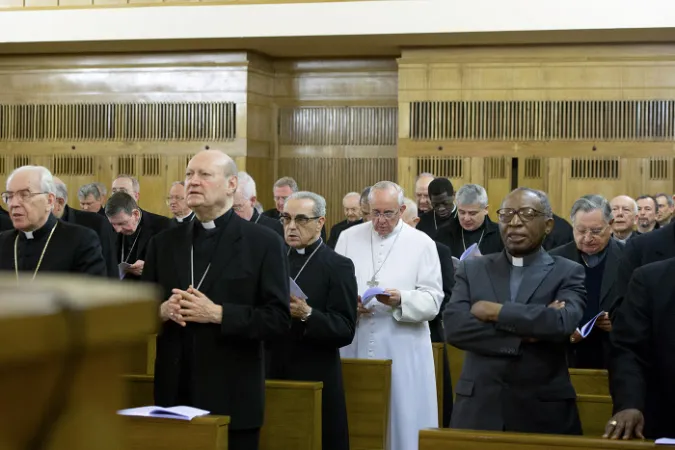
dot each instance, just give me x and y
(438, 349)
(367, 385)
(448, 439)
(292, 411)
(594, 412)
(456, 360)
(591, 382)
(201, 433)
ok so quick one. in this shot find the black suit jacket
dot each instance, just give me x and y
(5, 221)
(646, 248)
(508, 383)
(72, 249)
(310, 350)
(189, 218)
(450, 234)
(106, 235)
(249, 279)
(339, 228)
(151, 225)
(448, 275)
(265, 221)
(642, 366)
(562, 234)
(274, 215)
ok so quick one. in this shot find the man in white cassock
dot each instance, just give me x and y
(391, 255)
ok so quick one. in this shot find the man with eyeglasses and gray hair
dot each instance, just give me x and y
(403, 267)
(594, 248)
(178, 205)
(245, 199)
(513, 313)
(39, 242)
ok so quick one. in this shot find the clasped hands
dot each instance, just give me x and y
(190, 306)
(486, 311)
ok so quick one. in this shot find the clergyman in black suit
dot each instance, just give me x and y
(594, 248)
(560, 235)
(93, 221)
(411, 217)
(351, 204)
(40, 242)
(282, 189)
(321, 323)
(134, 228)
(244, 205)
(91, 199)
(5, 221)
(513, 313)
(177, 204)
(642, 368)
(226, 285)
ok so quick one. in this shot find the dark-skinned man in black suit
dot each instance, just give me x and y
(244, 205)
(90, 220)
(226, 289)
(40, 242)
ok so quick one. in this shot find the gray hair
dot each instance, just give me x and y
(592, 202)
(635, 207)
(352, 194)
(365, 194)
(387, 186)
(120, 202)
(424, 175)
(101, 188)
(134, 181)
(176, 183)
(410, 207)
(669, 199)
(46, 178)
(319, 209)
(87, 190)
(287, 181)
(246, 185)
(61, 191)
(543, 199)
(472, 194)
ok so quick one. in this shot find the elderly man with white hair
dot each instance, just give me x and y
(245, 199)
(473, 225)
(39, 242)
(351, 204)
(403, 264)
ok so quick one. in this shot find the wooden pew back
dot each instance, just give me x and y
(448, 439)
(201, 433)
(367, 384)
(594, 412)
(438, 350)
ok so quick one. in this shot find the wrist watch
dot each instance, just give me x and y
(306, 316)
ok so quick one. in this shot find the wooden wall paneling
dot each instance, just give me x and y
(407, 174)
(262, 171)
(532, 172)
(598, 175)
(657, 175)
(74, 170)
(498, 174)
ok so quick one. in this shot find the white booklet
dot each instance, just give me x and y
(665, 441)
(472, 252)
(371, 293)
(588, 327)
(174, 412)
(296, 291)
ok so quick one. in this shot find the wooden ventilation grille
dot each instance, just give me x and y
(118, 122)
(73, 165)
(644, 120)
(152, 166)
(532, 169)
(659, 168)
(3, 165)
(334, 177)
(126, 164)
(595, 168)
(496, 168)
(339, 125)
(21, 160)
(447, 167)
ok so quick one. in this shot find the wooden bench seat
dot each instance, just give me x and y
(200, 433)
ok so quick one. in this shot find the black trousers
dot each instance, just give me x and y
(243, 439)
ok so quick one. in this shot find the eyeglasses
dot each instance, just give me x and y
(387, 214)
(238, 208)
(23, 195)
(505, 215)
(174, 198)
(285, 219)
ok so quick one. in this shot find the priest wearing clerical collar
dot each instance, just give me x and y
(91, 199)
(244, 204)
(225, 287)
(351, 204)
(176, 202)
(91, 220)
(39, 242)
(513, 313)
(594, 248)
(134, 228)
(324, 321)
(443, 209)
(390, 255)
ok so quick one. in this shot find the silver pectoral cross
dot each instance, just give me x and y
(373, 282)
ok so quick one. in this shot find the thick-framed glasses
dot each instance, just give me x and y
(174, 199)
(301, 220)
(23, 195)
(387, 214)
(505, 215)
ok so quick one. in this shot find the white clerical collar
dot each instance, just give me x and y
(518, 262)
(29, 234)
(181, 219)
(209, 225)
(301, 251)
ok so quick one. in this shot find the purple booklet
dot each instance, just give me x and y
(371, 293)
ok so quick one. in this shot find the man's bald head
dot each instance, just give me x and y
(210, 184)
(351, 206)
(410, 215)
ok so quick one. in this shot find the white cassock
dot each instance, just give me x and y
(400, 334)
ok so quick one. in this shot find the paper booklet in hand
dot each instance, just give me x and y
(371, 293)
(665, 441)
(586, 329)
(471, 252)
(296, 291)
(175, 412)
